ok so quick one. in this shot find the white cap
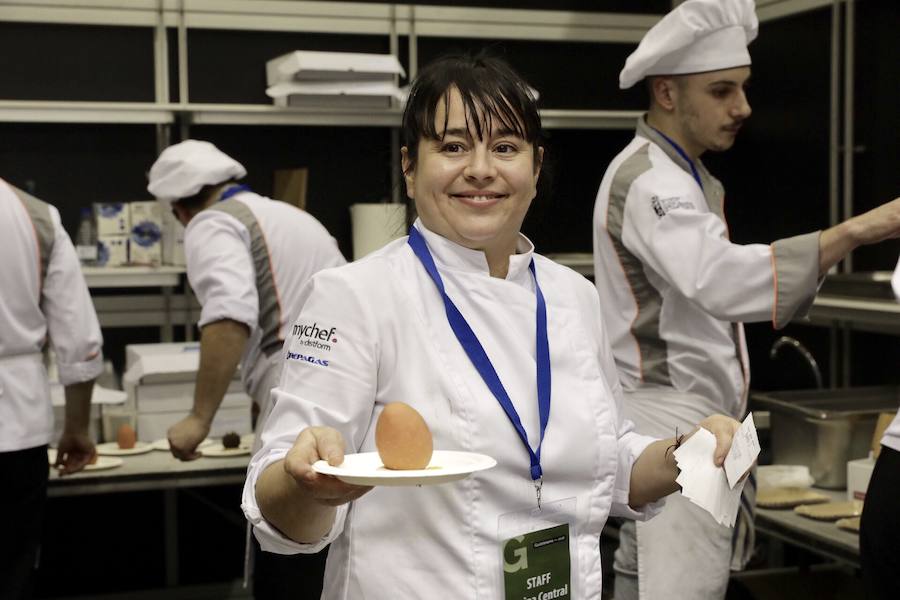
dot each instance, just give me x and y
(183, 169)
(696, 37)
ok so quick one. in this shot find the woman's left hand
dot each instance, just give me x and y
(724, 429)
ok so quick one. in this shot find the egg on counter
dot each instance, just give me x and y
(126, 437)
(402, 437)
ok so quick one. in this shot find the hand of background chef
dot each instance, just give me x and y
(185, 435)
(320, 443)
(74, 450)
(880, 223)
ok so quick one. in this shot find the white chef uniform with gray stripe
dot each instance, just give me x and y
(53, 303)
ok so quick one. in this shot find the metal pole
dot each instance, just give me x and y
(849, 26)
(413, 45)
(848, 120)
(835, 117)
(395, 133)
(182, 55)
(834, 166)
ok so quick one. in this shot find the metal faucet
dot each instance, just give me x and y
(803, 351)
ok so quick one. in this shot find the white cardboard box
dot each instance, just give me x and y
(145, 238)
(112, 250)
(113, 218)
(168, 397)
(172, 240)
(133, 352)
(102, 399)
(153, 426)
(859, 472)
(309, 65)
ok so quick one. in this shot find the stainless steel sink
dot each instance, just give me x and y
(874, 285)
(823, 429)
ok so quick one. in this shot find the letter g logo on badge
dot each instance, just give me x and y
(520, 552)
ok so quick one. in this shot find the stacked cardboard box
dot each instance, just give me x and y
(145, 234)
(113, 227)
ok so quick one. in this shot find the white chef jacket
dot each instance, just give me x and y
(43, 294)
(247, 259)
(673, 289)
(389, 340)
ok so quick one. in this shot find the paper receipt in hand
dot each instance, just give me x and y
(709, 486)
(744, 450)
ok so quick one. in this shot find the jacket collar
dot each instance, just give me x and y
(645, 131)
(450, 255)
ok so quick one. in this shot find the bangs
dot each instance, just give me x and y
(484, 108)
(492, 94)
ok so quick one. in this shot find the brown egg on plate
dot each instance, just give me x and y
(402, 437)
(126, 437)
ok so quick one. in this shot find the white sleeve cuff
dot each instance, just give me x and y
(631, 446)
(79, 372)
(270, 539)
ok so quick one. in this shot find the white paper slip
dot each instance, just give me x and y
(705, 484)
(744, 450)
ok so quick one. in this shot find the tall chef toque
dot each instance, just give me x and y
(183, 169)
(696, 37)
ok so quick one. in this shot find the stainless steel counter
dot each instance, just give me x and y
(822, 537)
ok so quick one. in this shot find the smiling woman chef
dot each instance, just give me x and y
(410, 323)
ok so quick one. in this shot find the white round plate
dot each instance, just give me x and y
(162, 444)
(103, 462)
(112, 449)
(367, 469)
(217, 450)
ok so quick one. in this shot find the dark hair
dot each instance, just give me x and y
(490, 91)
(199, 200)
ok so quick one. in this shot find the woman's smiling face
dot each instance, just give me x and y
(472, 191)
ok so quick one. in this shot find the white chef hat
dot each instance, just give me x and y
(183, 169)
(696, 37)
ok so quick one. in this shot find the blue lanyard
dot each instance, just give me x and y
(482, 363)
(235, 189)
(683, 155)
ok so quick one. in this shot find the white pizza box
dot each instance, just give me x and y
(309, 65)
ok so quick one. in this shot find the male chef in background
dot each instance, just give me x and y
(43, 296)
(675, 290)
(247, 258)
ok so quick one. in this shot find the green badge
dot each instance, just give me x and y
(536, 565)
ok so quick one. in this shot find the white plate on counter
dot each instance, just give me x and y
(162, 444)
(217, 450)
(103, 462)
(112, 449)
(366, 468)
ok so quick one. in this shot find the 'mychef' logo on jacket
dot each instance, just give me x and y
(314, 336)
(663, 205)
(305, 358)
